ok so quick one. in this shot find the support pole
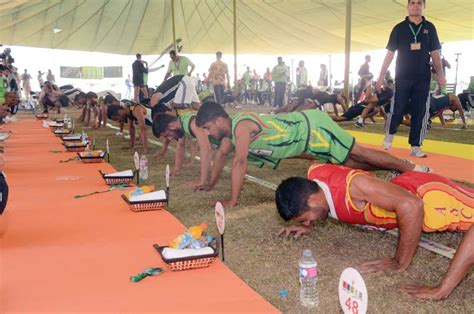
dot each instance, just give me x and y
(347, 47)
(330, 71)
(234, 3)
(174, 25)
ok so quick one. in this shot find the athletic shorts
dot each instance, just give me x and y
(447, 204)
(438, 103)
(327, 141)
(354, 112)
(324, 98)
(186, 92)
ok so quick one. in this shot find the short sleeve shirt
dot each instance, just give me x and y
(217, 73)
(180, 67)
(413, 64)
(280, 74)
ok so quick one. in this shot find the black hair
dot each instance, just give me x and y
(173, 52)
(209, 111)
(138, 55)
(109, 99)
(161, 121)
(91, 95)
(291, 196)
(113, 110)
(389, 81)
(219, 54)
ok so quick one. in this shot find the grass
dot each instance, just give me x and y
(269, 263)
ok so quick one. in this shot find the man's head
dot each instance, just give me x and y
(26, 71)
(138, 56)
(115, 113)
(367, 58)
(111, 100)
(214, 120)
(301, 200)
(218, 55)
(80, 98)
(11, 99)
(173, 55)
(416, 7)
(167, 125)
(91, 97)
(280, 60)
(301, 64)
(248, 69)
(389, 83)
(49, 71)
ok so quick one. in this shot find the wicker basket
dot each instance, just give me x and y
(42, 116)
(116, 180)
(61, 132)
(192, 262)
(92, 159)
(76, 148)
(145, 205)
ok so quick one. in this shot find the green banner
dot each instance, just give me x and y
(92, 73)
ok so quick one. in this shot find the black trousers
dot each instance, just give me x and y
(3, 193)
(219, 93)
(464, 99)
(280, 89)
(411, 97)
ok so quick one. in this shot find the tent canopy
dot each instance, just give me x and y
(263, 26)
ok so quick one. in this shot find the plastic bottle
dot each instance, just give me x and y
(192, 234)
(308, 274)
(141, 190)
(143, 168)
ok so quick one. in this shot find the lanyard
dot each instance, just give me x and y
(413, 31)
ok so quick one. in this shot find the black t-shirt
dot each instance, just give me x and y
(303, 94)
(138, 69)
(384, 96)
(168, 89)
(413, 64)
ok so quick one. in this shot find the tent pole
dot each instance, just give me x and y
(174, 25)
(235, 42)
(348, 47)
(330, 71)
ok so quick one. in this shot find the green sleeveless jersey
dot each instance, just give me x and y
(185, 118)
(289, 135)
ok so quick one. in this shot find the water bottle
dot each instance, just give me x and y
(143, 168)
(308, 273)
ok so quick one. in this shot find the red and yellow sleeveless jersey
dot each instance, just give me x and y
(447, 205)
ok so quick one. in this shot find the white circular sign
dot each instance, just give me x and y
(352, 292)
(220, 217)
(136, 160)
(167, 176)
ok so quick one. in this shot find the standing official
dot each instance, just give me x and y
(416, 40)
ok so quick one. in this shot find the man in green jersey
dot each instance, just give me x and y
(183, 127)
(310, 134)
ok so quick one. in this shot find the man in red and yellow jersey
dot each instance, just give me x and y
(412, 202)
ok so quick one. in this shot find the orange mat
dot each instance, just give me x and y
(450, 167)
(60, 254)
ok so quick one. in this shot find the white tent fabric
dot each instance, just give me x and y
(263, 26)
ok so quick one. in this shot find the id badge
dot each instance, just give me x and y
(415, 46)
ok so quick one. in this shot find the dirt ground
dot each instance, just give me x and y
(269, 263)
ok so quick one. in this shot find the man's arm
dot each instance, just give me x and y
(140, 116)
(409, 211)
(179, 156)
(239, 163)
(204, 151)
(386, 63)
(192, 69)
(460, 266)
(436, 57)
(457, 104)
(219, 163)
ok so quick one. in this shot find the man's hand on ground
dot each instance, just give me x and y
(425, 292)
(298, 231)
(386, 264)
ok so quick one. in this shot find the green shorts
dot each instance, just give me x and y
(327, 141)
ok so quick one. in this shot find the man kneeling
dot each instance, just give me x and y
(412, 202)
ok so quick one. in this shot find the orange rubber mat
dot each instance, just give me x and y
(450, 167)
(60, 254)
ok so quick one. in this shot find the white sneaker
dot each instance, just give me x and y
(387, 142)
(423, 168)
(417, 152)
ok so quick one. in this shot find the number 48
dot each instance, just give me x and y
(354, 307)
